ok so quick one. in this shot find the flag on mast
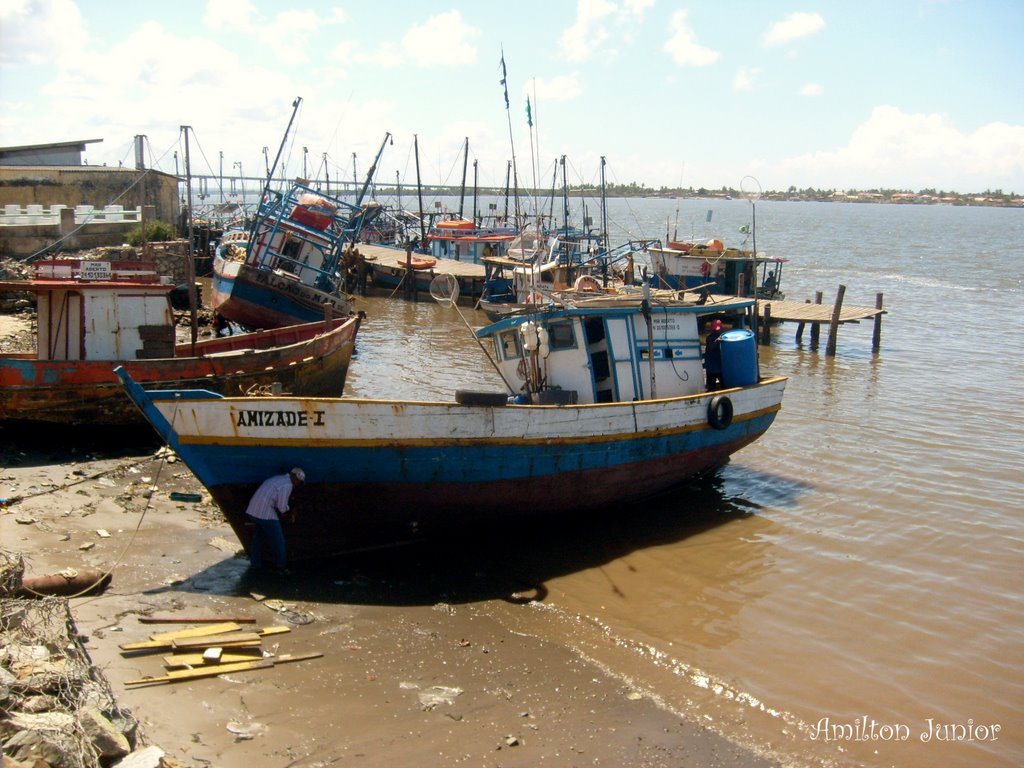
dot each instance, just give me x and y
(504, 77)
(529, 114)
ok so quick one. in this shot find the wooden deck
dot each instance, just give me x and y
(800, 312)
(395, 258)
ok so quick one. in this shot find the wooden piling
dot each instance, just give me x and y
(876, 335)
(361, 274)
(833, 327)
(410, 277)
(766, 328)
(800, 328)
(815, 327)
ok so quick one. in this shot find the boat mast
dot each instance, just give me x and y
(280, 148)
(191, 247)
(475, 180)
(565, 199)
(462, 189)
(511, 141)
(508, 175)
(373, 170)
(419, 190)
(554, 182)
(604, 209)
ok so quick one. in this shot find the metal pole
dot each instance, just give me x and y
(191, 242)
(419, 191)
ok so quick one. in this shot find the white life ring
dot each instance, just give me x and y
(587, 284)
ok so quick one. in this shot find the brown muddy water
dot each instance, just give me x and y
(849, 588)
(847, 591)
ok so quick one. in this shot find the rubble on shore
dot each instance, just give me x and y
(56, 708)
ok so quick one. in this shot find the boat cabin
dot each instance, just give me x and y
(605, 354)
(299, 235)
(101, 310)
(463, 240)
(727, 271)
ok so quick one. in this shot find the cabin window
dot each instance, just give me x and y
(509, 343)
(560, 336)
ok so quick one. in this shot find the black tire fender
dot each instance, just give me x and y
(471, 397)
(720, 412)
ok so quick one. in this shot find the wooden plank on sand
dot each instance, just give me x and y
(166, 640)
(197, 619)
(214, 641)
(229, 656)
(213, 670)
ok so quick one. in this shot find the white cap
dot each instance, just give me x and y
(298, 474)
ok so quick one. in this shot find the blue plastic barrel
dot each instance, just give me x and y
(739, 358)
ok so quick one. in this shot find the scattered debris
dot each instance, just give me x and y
(219, 542)
(58, 707)
(438, 694)
(67, 582)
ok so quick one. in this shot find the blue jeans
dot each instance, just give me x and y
(270, 533)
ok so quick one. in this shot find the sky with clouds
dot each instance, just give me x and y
(903, 94)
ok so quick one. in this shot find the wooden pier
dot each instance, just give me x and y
(817, 314)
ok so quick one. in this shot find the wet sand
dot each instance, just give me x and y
(416, 669)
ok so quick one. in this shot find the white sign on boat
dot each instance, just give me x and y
(96, 270)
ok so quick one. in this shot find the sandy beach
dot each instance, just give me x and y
(415, 669)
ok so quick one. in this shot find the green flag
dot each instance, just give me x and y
(529, 114)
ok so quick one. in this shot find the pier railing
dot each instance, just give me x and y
(34, 215)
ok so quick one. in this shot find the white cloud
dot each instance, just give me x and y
(444, 39)
(916, 151)
(38, 31)
(793, 27)
(812, 89)
(560, 88)
(232, 15)
(637, 7)
(289, 33)
(683, 47)
(744, 79)
(587, 36)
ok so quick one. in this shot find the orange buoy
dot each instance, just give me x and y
(716, 245)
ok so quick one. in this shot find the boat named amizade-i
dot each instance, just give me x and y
(605, 404)
(93, 315)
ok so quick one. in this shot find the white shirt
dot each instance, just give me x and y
(271, 498)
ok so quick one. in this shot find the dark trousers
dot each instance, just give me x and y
(271, 534)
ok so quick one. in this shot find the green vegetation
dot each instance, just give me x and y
(156, 231)
(924, 196)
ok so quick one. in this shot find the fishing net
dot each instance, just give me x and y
(445, 290)
(51, 696)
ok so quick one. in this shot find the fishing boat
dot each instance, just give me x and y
(289, 268)
(463, 240)
(605, 404)
(685, 265)
(95, 315)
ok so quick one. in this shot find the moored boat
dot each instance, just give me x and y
(288, 268)
(686, 265)
(95, 315)
(587, 421)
